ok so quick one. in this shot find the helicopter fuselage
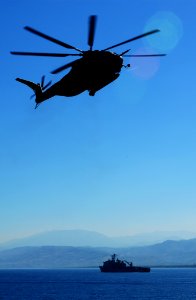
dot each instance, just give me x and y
(92, 72)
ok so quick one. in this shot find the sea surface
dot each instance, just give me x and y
(79, 284)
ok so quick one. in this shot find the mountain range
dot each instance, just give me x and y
(76, 248)
(82, 238)
(168, 253)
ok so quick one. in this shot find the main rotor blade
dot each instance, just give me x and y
(51, 39)
(43, 54)
(64, 67)
(133, 39)
(143, 55)
(91, 34)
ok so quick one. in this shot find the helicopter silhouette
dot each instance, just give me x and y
(91, 72)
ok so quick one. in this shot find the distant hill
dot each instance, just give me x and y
(83, 238)
(76, 238)
(168, 253)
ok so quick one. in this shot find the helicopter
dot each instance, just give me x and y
(92, 71)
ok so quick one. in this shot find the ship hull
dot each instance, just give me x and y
(125, 270)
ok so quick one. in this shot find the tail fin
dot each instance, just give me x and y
(35, 87)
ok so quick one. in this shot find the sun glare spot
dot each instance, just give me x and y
(171, 31)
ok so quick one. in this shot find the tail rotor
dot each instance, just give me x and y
(42, 85)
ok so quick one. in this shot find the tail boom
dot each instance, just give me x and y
(35, 87)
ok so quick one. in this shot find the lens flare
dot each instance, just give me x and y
(144, 67)
(171, 31)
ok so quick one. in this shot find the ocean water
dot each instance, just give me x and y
(79, 284)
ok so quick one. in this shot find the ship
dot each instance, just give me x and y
(116, 265)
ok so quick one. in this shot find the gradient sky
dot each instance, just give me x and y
(120, 163)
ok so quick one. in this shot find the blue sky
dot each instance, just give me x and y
(121, 162)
